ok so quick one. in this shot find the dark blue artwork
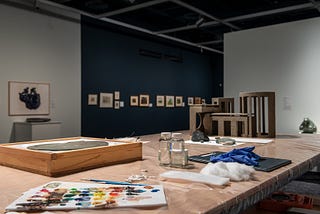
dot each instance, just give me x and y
(32, 99)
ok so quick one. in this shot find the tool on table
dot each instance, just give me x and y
(111, 182)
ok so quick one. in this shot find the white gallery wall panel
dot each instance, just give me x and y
(41, 48)
(284, 58)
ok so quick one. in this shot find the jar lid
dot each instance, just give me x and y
(178, 138)
(177, 135)
(165, 135)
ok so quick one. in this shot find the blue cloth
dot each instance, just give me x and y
(243, 155)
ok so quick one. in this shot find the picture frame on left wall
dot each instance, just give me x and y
(179, 101)
(117, 95)
(197, 100)
(160, 101)
(92, 99)
(170, 101)
(106, 100)
(117, 104)
(28, 98)
(190, 100)
(144, 100)
(134, 101)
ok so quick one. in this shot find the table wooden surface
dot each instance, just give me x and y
(303, 150)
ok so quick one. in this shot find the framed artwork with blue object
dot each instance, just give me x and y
(28, 98)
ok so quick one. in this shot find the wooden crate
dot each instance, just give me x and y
(66, 162)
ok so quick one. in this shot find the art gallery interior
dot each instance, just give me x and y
(133, 68)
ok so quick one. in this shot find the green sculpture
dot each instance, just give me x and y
(307, 126)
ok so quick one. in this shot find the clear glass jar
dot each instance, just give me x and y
(164, 155)
(179, 154)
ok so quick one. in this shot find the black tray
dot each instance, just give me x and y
(266, 164)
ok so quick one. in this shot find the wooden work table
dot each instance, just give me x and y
(303, 150)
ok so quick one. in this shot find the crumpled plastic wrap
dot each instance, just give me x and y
(195, 177)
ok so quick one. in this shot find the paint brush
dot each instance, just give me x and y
(111, 182)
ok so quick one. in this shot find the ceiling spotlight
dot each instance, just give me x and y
(131, 1)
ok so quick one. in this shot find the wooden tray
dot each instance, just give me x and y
(66, 162)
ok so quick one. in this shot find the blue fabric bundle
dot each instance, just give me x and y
(243, 155)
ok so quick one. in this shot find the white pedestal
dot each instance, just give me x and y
(26, 131)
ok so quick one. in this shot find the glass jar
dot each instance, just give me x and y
(179, 154)
(164, 155)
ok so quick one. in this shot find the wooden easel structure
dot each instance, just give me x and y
(262, 105)
(233, 124)
(224, 105)
(256, 117)
(219, 104)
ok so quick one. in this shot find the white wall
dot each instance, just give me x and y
(40, 48)
(284, 58)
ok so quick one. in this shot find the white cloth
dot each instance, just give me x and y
(232, 170)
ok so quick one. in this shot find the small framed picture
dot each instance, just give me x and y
(215, 101)
(190, 100)
(92, 99)
(203, 101)
(106, 100)
(160, 101)
(117, 95)
(197, 100)
(144, 100)
(117, 104)
(179, 101)
(134, 101)
(169, 101)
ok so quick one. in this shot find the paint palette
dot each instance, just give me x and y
(72, 195)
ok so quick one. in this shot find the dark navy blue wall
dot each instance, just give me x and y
(111, 62)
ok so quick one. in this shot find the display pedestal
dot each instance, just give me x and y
(26, 131)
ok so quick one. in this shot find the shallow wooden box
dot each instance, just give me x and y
(60, 163)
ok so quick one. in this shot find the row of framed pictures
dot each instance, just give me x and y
(107, 100)
(143, 100)
(112, 100)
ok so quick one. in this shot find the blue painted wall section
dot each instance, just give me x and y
(111, 62)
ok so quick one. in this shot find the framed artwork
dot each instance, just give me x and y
(197, 100)
(144, 100)
(160, 101)
(169, 101)
(28, 98)
(134, 101)
(190, 101)
(203, 101)
(92, 99)
(215, 101)
(117, 95)
(117, 104)
(179, 101)
(106, 100)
